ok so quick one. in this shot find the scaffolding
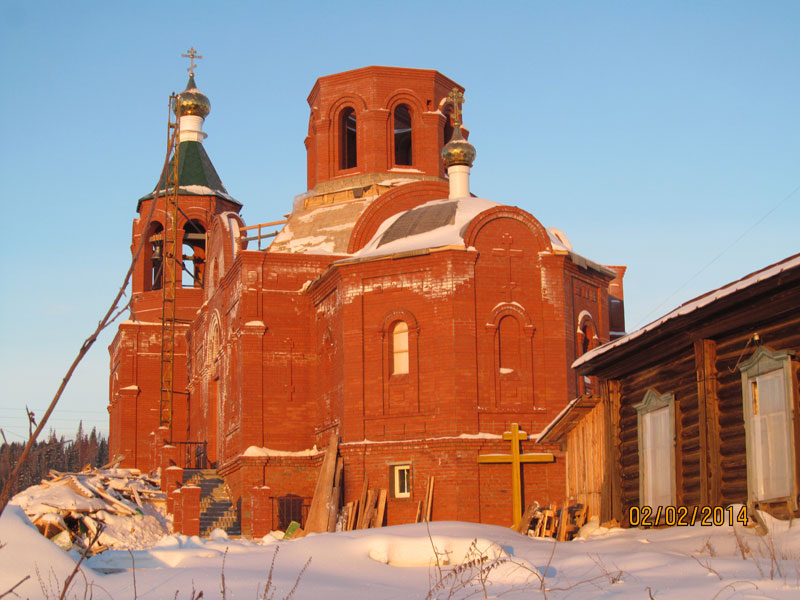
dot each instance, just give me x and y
(172, 256)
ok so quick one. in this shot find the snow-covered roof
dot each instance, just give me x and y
(434, 224)
(696, 304)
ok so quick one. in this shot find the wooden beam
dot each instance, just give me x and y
(613, 502)
(705, 356)
(317, 520)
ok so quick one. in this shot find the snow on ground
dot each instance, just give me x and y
(400, 562)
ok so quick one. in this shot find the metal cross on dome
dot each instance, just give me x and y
(191, 55)
(457, 98)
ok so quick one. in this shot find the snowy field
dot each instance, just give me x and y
(476, 561)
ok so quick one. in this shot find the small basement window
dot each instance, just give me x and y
(401, 481)
(290, 508)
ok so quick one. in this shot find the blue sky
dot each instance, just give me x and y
(658, 135)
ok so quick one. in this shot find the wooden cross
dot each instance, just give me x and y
(516, 459)
(191, 55)
(457, 98)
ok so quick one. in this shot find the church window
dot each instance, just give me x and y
(348, 151)
(402, 136)
(194, 254)
(655, 417)
(767, 392)
(401, 481)
(509, 346)
(400, 348)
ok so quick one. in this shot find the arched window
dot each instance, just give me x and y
(155, 255)
(400, 348)
(402, 136)
(348, 153)
(509, 332)
(194, 254)
(587, 340)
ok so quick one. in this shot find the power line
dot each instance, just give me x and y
(646, 318)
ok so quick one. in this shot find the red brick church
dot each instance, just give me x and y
(391, 307)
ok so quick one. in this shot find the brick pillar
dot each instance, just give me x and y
(260, 512)
(169, 454)
(170, 480)
(190, 518)
(251, 475)
(177, 510)
(128, 433)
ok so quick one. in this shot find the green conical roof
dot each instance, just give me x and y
(196, 174)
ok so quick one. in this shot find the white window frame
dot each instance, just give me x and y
(652, 402)
(762, 364)
(397, 479)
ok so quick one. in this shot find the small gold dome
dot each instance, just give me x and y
(192, 101)
(458, 151)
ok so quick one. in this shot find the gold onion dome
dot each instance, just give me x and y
(458, 151)
(192, 101)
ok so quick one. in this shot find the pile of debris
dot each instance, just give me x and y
(121, 508)
(565, 523)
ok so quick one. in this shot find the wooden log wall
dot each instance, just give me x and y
(675, 376)
(585, 468)
(704, 377)
(730, 353)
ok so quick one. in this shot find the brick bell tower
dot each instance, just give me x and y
(137, 413)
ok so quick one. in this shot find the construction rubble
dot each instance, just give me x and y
(121, 508)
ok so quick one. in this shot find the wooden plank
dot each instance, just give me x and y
(136, 496)
(425, 501)
(336, 495)
(429, 499)
(362, 501)
(350, 508)
(563, 520)
(418, 518)
(380, 512)
(365, 520)
(527, 517)
(547, 522)
(317, 520)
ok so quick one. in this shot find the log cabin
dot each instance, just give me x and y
(697, 409)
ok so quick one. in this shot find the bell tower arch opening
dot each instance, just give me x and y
(194, 254)
(154, 255)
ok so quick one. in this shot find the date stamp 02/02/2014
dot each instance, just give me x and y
(686, 516)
